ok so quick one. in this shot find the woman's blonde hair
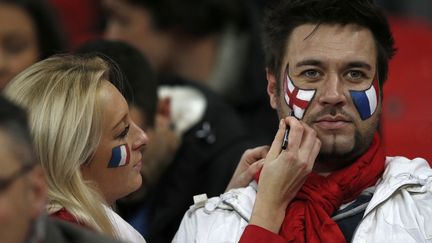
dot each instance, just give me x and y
(61, 95)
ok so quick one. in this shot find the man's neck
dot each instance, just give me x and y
(322, 169)
(326, 167)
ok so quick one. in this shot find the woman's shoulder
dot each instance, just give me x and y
(122, 228)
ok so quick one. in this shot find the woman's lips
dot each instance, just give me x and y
(137, 166)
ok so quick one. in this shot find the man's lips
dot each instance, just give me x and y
(332, 122)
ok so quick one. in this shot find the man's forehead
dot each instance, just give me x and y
(326, 42)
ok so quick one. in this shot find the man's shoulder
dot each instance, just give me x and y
(220, 218)
(399, 173)
(400, 207)
(239, 200)
(400, 167)
(60, 231)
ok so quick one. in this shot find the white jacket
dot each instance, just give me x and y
(399, 211)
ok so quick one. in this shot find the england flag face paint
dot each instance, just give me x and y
(120, 156)
(297, 99)
(366, 101)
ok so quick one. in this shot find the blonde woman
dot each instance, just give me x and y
(85, 140)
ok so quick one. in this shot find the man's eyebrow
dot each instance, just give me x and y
(309, 62)
(359, 64)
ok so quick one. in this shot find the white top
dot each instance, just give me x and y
(399, 211)
(124, 231)
(188, 106)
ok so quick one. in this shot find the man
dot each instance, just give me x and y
(23, 189)
(326, 64)
(214, 43)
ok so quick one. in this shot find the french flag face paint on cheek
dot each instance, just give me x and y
(366, 101)
(120, 156)
(297, 99)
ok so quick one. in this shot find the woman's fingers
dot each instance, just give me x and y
(277, 142)
(295, 134)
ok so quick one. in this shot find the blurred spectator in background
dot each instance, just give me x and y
(23, 191)
(419, 9)
(195, 143)
(213, 42)
(28, 33)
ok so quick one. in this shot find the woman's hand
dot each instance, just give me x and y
(250, 163)
(284, 172)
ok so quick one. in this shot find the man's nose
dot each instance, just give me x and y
(3, 61)
(332, 92)
(4, 72)
(111, 31)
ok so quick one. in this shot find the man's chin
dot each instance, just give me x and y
(337, 143)
(342, 150)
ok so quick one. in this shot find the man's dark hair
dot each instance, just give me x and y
(13, 123)
(195, 18)
(50, 39)
(282, 17)
(140, 79)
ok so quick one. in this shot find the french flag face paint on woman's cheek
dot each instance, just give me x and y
(120, 156)
(297, 99)
(366, 101)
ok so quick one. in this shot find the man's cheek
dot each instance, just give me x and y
(366, 101)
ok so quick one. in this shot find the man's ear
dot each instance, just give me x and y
(37, 191)
(271, 88)
(164, 108)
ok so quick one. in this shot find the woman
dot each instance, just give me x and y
(84, 138)
(28, 33)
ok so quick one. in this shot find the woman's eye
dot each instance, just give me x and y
(124, 133)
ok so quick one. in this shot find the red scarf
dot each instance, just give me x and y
(308, 216)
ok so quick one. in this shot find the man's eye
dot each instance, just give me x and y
(119, 19)
(311, 73)
(355, 75)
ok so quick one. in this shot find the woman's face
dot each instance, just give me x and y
(18, 42)
(116, 164)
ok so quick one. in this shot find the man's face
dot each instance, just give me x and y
(23, 200)
(163, 144)
(333, 60)
(18, 42)
(133, 25)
